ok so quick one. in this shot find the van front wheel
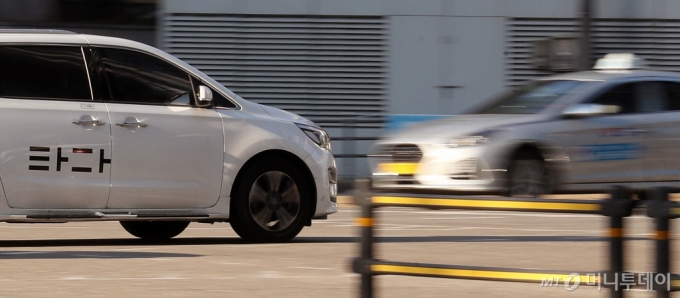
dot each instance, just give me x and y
(272, 202)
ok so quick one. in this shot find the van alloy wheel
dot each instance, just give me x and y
(271, 202)
(274, 201)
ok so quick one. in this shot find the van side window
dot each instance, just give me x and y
(221, 101)
(43, 72)
(218, 100)
(136, 77)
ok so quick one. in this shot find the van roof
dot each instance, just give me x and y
(35, 31)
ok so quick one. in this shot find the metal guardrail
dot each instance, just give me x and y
(619, 205)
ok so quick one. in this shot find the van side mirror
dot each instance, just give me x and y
(583, 110)
(205, 97)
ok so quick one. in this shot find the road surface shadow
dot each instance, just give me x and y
(38, 255)
(424, 239)
(119, 242)
(298, 240)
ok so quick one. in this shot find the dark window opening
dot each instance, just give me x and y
(136, 77)
(622, 96)
(673, 95)
(44, 72)
(221, 101)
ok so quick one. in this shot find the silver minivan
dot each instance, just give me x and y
(98, 128)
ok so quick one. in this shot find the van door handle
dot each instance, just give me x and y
(128, 124)
(87, 122)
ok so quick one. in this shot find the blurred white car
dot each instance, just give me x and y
(575, 132)
(100, 128)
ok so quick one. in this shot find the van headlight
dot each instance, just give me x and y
(317, 135)
(476, 139)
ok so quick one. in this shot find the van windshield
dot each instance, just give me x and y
(530, 98)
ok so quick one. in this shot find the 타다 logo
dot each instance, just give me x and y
(63, 159)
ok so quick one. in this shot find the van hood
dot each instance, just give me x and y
(282, 115)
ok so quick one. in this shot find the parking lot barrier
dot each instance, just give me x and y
(619, 205)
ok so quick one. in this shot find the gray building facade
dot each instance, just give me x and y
(348, 65)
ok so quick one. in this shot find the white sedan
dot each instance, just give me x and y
(574, 132)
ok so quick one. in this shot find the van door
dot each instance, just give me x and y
(56, 141)
(167, 152)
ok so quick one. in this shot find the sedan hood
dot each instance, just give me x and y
(445, 128)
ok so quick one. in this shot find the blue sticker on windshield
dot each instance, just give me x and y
(605, 152)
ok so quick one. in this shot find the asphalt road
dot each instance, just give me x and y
(102, 260)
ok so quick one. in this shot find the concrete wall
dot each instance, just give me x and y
(443, 65)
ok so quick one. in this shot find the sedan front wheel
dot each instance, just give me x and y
(528, 177)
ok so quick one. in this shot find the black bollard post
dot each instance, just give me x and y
(662, 239)
(617, 205)
(365, 222)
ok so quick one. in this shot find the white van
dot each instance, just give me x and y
(100, 128)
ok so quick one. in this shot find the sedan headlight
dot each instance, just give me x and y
(476, 139)
(317, 135)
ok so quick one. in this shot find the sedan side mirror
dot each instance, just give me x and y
(205, 97)
(583, 110)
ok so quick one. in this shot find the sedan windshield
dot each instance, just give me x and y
(530, 98)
